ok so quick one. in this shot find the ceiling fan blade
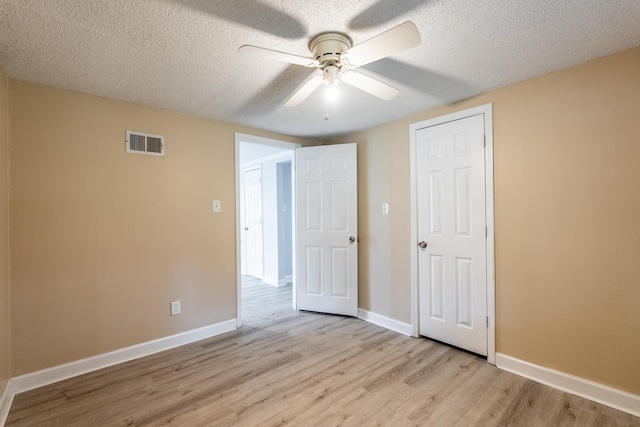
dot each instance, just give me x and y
(304, 92)
(277, 55)
(397, 39)
(370, 85)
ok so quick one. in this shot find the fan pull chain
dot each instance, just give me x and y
(326, 108)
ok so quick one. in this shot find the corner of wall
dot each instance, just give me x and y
(5, 326)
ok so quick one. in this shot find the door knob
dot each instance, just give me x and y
(246, 229)
(352, 240)
(422, 245)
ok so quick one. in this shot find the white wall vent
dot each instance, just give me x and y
(145, 143)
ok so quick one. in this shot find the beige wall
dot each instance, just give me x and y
(103, 240)
(567, 181)
(383, 177)
(4, 238)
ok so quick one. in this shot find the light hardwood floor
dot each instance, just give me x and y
(261, 301)
(306, 369)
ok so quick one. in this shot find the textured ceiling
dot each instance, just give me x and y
(181, 55)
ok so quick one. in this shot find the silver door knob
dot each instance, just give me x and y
(352, 240)
(422, 245)
(246, 229)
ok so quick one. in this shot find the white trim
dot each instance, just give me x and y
(6, 402)
(283, 282)
(487, 111)
(609, 396)
(413, 241)
(240, 138)
(83, 366)
(294, 238)
(385, 322)
(239, 223)
(490, 222)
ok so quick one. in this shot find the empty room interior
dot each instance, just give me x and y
(274, 212)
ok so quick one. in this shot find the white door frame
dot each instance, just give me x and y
(239, 138)
(487, 110)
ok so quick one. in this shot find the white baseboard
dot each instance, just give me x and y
(83, 366)
(287, 279)
(385, 322)
(609, 396)
(5, 403)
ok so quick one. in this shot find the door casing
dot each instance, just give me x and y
(487, 111)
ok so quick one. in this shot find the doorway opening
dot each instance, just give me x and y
(265, 226)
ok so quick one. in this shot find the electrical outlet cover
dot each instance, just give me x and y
(175, 307)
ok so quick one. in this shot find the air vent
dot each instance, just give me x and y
(145, 143)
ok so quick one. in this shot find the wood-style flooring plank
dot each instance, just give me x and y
(306, 369)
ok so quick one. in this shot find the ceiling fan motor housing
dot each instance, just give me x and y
(327, 47)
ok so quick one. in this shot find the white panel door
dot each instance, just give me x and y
(452, 223)
(253, 222)
(327, 229)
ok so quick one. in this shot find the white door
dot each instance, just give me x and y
(327, 229)
(452, 267)
(253, 222)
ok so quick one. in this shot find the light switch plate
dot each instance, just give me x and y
(216, 206)
(385, 209)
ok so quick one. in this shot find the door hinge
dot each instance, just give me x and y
(484, 141)
(487, 320)
(486, 231)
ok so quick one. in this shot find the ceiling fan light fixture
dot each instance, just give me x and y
(330, 74)
(331, 93)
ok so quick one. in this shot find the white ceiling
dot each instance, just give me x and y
(181, 55)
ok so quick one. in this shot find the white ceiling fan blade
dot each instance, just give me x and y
(370, 85)
(304, 92)
(277, 56)
(397, 39)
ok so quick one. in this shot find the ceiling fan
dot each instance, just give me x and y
(334, 54)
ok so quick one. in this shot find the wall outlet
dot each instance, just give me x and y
(175, 307)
